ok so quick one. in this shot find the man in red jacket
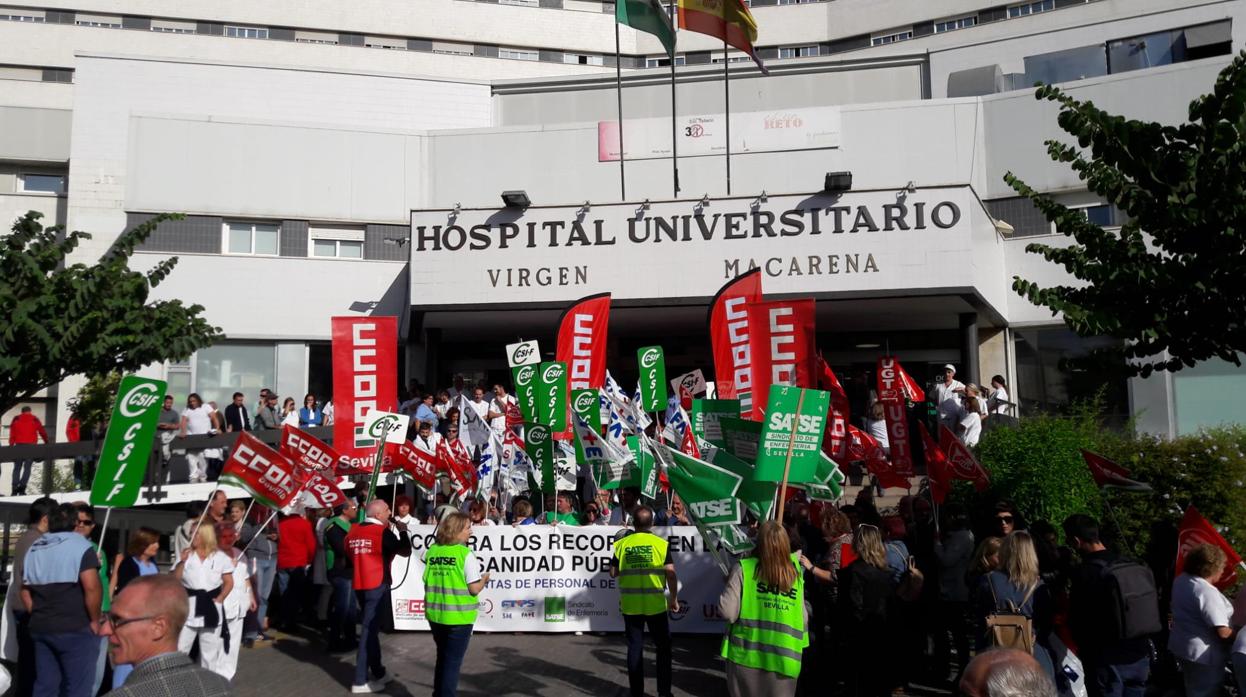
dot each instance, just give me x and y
(296, 549)
(25, 429)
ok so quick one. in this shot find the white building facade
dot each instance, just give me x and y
(307, 145)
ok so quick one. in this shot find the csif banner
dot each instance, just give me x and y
(538, 443)
(782, 346)
(127, 445)
(652, 364)
(365, 378)
(552, 404)
(729, 338)
(586, 404)
(582, 331)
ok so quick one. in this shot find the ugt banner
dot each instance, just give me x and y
(729, 337)
(892, 392)
(582, 341)
(365, 377)
(557, 579)
(783, 347)
(127, 445)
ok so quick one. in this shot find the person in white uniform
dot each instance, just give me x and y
(239, 601)
(947, 394)
(1202, 622)
(998, 402)
(207, 575)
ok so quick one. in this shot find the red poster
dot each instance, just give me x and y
(270, 477)
(365, 377)
(961, 463)
(306, 450)
(1195, 530)
(781, 341)
(1110, 474)
(892, 392)
(419, 464)
(937, 469)
(835, 439)
(582, 333)
(729, 338)
(862, 446)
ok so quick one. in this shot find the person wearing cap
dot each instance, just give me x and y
(947, 397)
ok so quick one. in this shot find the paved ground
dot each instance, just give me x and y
(496, 664)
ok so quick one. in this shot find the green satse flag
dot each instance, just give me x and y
(648, 16)
(708, 491)
(706, 414)
(643, 473)
(795, 420)
(740, 437)
(758, 497)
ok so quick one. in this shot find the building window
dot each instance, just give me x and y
(1048, 384)
(103, 21)
(525, 3)
(224, 369)
(891, 37)
(519, 54)
(12, 15)
(1031, 8)
(794, 2)
(582, 59)
(339, 249)
(315, 37)
(734, 58)
(252, 238)
(797, 51)
(385, 42)
(240, 32)
(42, 183)
(663, 62)
(171, 27)
(954, 24)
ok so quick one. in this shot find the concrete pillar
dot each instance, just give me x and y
(432, 356)
(969, 371)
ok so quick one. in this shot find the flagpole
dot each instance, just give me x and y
(727, 105)
(1108, 507)
(618, 90)
(674, 126)
(787, 464)
(260, 532)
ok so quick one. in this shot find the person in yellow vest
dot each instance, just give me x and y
(642, 564)
(452, 580)
(764, 602)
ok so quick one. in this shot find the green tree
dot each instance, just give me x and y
(58, 320)
(1170, 280)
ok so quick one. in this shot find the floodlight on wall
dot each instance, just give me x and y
(837, 181)
(705, 199)
(910, 188)
(395, 241)
(517, 198)
(1003, 228)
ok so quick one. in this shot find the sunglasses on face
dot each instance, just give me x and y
(85, 523)
(1004, 518)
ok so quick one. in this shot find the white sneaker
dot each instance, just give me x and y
(373, 686)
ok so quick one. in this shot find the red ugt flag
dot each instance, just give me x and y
(1110, 474)
(270, 477)
(1196, 530)
(862, 446)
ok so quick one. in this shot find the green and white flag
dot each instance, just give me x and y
(607, 461)
(758, 497)
(538, 442)
(652, 364)
(740, 437)
(552, 396)
(708, 491)
(648, 16)
(643, 473)
(791, 437)
(706, 414)
(127, 445)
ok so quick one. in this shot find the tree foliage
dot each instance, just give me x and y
(1170, 280)
(94, 402)
(58, 320)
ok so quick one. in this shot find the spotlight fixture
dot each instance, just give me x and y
(910, 187)
(1003, 228)
(868, 346)
(645, 206)
(705, 199)
(516, 198)
(458, 208)
(837, 181)
(395, 241)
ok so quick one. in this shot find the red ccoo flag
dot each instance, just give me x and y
(582, 333)
(270, 477)
(729, 338)
(1110, 474)
(419, 464)
(1196, 530)
(324, 490)
(307, 451)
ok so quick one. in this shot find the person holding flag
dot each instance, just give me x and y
(1201, 621)
(764, 604)
(642, 563)
(372, 545)
(452, 581)
(342, 611)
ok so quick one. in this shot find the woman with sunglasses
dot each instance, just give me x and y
(85, 526)
(310, 414)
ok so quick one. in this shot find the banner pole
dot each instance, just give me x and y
(376, 472)
(674, 126)
(727, 105)
(618, 95)
(261, 531)
(1111, 513)
(104, 527)
(247, 515)
(199, 522)
(787, 464)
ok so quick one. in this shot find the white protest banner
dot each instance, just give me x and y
(694, 382)
(554, 578)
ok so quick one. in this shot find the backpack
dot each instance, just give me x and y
(1131, 602)
(1008, 627)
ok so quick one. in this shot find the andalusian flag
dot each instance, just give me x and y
(647, 16)
(729, 20)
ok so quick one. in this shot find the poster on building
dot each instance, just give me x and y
(557, 579)
(127, 444)
(705, 134)
(365, 378)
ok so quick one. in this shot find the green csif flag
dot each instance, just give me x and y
(539, 444)
(127, 445)
(643, 474)
(648, 16)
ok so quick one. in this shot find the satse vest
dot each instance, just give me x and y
(364, 544)
(447, 599)
(770, 633)
(642, 575)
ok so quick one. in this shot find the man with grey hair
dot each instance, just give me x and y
(142, 629)
(1006, 673)
(372, 546)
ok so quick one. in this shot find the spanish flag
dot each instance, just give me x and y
(729, 20)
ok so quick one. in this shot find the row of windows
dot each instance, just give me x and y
(263, 239)
(32, 183)
(1024, 9)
